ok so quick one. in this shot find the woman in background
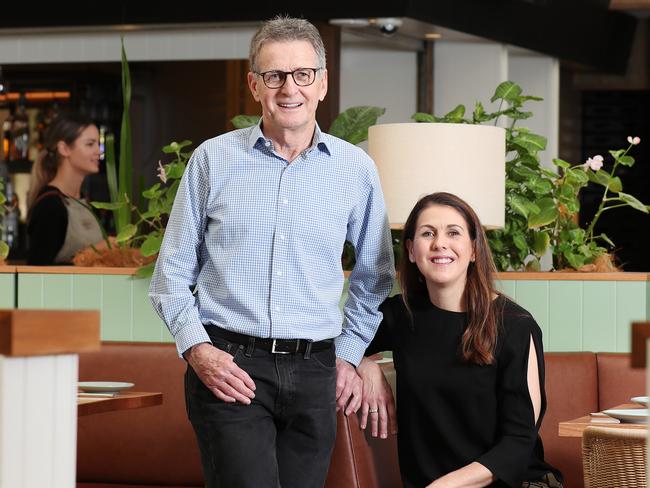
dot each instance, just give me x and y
(469, 362)
(59, 225)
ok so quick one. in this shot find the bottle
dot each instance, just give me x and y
(6, 136)
(20, 132)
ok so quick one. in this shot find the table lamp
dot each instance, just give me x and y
(415, 159)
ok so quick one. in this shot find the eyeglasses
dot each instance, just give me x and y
(301, 77)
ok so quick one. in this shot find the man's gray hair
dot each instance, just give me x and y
(283, 29)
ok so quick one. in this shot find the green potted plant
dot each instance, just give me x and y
(583, 249)
(146, 232)
(542, 205)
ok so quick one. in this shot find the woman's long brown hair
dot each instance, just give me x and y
(66, 128)
(480, 336)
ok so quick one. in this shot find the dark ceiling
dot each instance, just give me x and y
(581, 31)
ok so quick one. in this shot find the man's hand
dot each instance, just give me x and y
(217, 370)
(348, 387)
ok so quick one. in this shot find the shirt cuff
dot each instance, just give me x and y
(349, 348)
(189, 336)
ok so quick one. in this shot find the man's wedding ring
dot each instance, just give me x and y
(372, 410)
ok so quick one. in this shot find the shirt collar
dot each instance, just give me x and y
(320, 140)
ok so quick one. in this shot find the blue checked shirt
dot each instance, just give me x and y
(254, 244)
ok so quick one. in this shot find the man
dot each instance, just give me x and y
(249, 275)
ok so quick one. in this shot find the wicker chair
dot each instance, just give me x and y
(614, 458)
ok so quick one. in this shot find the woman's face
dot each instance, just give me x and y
(83, 154)
(442, 247)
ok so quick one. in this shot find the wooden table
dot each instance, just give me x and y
(575, 427)
(88, 405)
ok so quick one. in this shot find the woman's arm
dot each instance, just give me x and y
(474, 475)
(533, 380)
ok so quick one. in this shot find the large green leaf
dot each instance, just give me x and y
(541, 243)
(4, 250)
(615, 184)
(127, 232)
(633, 202)
(519, 204)
(506, 91)
(152, 192)
(531, 142)
(243, 121)
(600, 177)
(352, 124)
(456, 115)
(533, 265)
(108, 205)
(520, 243)
(626, 160)
(547, 214)
(145, 271)
(560, 163)
(423, 117)
(577, 176)
(125, 170)
(151, 245)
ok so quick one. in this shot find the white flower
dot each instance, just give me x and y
(633, 140)
(161, 172)
(594, 163)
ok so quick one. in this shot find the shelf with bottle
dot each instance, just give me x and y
(22, 134)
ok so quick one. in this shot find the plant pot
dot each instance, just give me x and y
(122, 257)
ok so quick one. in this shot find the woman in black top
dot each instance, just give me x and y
(59, 224)
(469, 362)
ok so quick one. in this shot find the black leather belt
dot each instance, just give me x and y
(275, 346)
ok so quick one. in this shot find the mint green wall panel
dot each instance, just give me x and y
(7, 290)
(599, 316)
(57, 291)
(573, 315)
(534, 296)
(30, 291)
(147, 326)
(506, 287)
(565, 316)
(631, 306)
(87, 291)
(117, 308)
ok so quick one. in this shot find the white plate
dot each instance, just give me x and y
(641, 400)
(103, 386)
(629, 415)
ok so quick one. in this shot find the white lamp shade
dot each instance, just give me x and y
(416, 159)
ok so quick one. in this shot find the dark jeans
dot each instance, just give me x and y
(284, 438)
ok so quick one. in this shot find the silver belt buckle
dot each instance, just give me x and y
(281, 352)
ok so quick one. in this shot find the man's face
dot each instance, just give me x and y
(290, 107)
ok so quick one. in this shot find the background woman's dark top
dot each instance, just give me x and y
(451, 413)
(58, 227)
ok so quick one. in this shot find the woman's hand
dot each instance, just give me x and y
(377, 400)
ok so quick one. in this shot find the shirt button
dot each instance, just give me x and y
(282, 237)
(279, 273)
(285, 201)
(277, 309)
